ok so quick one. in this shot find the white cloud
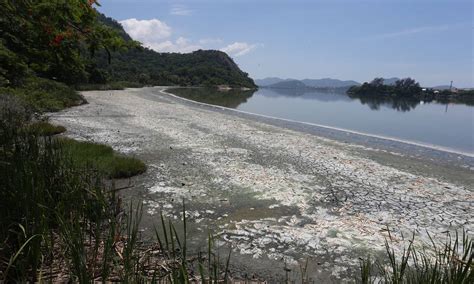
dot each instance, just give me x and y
(146, 30)
(158, 36)
(180, 10)
(239, 48)
(181, 45)
(154, 34)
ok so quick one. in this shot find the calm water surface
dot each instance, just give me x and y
(443, 125)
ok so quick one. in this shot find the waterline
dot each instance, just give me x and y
(388, 138)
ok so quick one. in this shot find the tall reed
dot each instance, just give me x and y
(451, 262)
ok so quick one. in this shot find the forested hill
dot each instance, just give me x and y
(143, 65)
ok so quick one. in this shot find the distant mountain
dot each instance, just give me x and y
(268, 81)
(288, 84)
(326, 83)
(329, 83)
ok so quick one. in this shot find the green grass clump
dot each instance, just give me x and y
(103, 158)
(451, 262)
(44, 128)
(43, 95)
(38, 186)
(59, 218)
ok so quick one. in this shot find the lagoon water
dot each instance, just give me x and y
(448, 126)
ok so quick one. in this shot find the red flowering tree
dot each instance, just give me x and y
(54, 38)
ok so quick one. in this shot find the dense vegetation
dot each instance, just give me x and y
(70, 42)
(52, 195)
(39, 185)
(102, 158)
(143, 65)
(53, 39)
(402, 88)
(408, 89)
(43, 95)
(48, 46)
(200, 68)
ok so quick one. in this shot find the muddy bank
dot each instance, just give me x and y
(275, 192)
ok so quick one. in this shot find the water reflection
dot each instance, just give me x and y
(226, 98)
(323, 96)
(234, 98)
(373, 102)
(398, 104)
(405, 119)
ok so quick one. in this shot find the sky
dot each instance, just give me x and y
(429, 40)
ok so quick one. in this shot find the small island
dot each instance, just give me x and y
(408, 88)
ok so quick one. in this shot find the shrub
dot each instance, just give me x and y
(43, 95)
(44, 128)
(103, 158)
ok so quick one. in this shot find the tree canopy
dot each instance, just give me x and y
(406, 93)
(52, 38)
(199, 68)
(70, 42)
(406, 87)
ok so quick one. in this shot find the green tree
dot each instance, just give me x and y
(407, 87)
(377, 82)
(53, 38)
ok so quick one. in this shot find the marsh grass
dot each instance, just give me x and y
(44, 128)
(59, 220)
(103, 158)
(40, 190)
(207, 267)
(42, 95)
(451, 262)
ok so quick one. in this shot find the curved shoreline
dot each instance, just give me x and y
(271, 191)
(427, 146)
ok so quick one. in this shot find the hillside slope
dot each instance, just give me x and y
(269, 81)
(329, 83)
(325, 83)
(290, 84)
(199, 68)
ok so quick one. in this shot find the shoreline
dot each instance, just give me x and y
(277, 194)
(388, 138)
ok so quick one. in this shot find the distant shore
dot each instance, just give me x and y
(277, 189)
